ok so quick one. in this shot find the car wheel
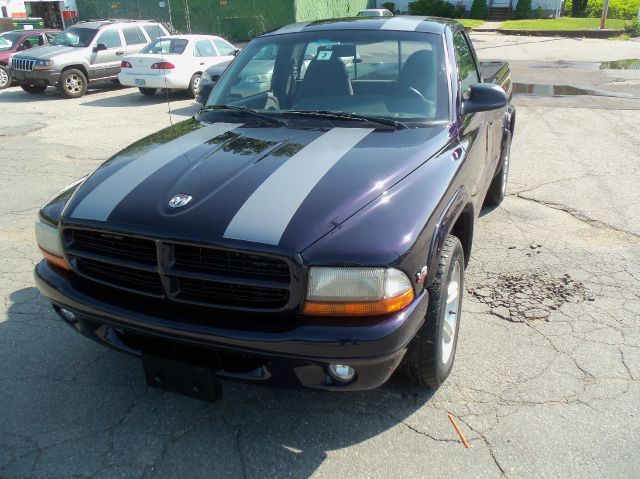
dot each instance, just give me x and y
(498, 188)
(432, 351)
(194, 84)
(5, 78)
(34, 89)
(72, 84)
(148, 91)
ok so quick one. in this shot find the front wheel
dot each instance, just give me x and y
(433, 350)
(194, 85)
(72, 84)
(498, 188)
(34, 89)
(5, 78)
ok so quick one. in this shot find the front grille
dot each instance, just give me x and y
(22, 64)
(204, 291)
(180, 272)
(229, 263)
(127, 278)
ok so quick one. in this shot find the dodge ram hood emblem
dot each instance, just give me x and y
(178, 201)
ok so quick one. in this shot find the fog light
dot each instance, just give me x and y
(68, 315)
(341, 372)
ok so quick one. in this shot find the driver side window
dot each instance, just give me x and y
(467, 74)
(110, 38)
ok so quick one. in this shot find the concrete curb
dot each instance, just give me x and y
(555, 33)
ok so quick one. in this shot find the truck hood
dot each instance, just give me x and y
(244, 186)
(48, 52)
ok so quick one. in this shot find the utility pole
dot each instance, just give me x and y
(605, 10)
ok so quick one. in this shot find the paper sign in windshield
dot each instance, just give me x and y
(325, 55)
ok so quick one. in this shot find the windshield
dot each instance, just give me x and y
(385, 74)
(7, 40)
(75, 37)
(166, 46)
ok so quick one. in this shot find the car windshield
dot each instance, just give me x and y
(386, 74)
(7, 40)
(75, 37)
(166, 46)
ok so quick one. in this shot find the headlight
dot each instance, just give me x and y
(356, 291)
(50, 243)
(263, 78)
(43, 65)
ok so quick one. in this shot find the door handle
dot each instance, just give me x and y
(120, 52)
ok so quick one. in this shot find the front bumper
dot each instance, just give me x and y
(290, 352)
(35, 77)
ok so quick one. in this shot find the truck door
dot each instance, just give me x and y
(473, 133)
(134, 39)
(106, 63)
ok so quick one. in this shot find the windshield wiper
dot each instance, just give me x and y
(246, 111)
(339, 115)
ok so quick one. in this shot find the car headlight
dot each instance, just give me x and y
(262, 78)
(43, 65)
(47, 231)
(356, 291)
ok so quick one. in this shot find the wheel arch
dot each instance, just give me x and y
(82, 68)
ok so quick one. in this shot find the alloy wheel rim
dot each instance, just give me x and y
(4, 78)
(196, 84)
(505, 169)
(74, 84)
(451, 313)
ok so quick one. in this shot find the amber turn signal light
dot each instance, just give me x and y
(55, 260)
(358, 308)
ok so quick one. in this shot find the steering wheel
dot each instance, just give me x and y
(413, 92)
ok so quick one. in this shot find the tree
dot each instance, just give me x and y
(479, 10)
(434, 8)
(523, 9)
(578, 7)
(391, 6)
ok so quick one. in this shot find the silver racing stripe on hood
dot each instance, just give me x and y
(267, 212)
(103, 199)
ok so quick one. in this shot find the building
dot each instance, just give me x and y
(232, 19)
(56, 14)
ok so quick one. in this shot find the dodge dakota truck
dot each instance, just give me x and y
(313, 234)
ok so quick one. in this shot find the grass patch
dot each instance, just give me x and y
(469, 22)
(565, 23)
(623, 37)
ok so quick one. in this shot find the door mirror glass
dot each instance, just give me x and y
(100, 47)
(483, 97)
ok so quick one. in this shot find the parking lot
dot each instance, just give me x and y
(547, 375)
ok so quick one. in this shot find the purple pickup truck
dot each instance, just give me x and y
(18, 41)
(313, 232)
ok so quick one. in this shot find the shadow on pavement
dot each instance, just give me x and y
(71, 407)
(17, 95)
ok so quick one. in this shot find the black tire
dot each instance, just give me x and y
(424, 362)
(34, 89)
(5, 78)
(72, 84)
(498, 187)
(193, 85)
(148, 91)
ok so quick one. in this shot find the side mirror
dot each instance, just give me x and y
(204, 90)
(235, 52)
(100, 47)
(483, 97)
(21, 48)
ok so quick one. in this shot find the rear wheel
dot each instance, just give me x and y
(148, 91)
(5, 78)
(194, 84)
(433, 350)
(34, 89)
(498, 188)
(72, 84)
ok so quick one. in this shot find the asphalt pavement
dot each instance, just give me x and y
(547, 376)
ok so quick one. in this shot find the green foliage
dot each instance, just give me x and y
(540, 12)
(633, 28)
(391, 6)
(625, 9)
(434, 8)
(523, 9)
(479, 9)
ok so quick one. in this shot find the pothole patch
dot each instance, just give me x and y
(529, 296)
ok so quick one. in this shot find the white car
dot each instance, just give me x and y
(375, 12)
(174, 62)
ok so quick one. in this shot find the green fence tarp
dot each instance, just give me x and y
(310, 10)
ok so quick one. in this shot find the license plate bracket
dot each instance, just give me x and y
(139, 82)
(182, 378)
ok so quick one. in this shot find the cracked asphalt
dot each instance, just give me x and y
(547, 376)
